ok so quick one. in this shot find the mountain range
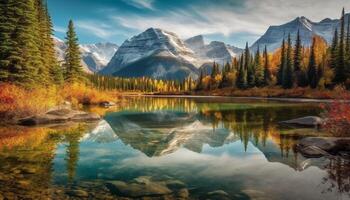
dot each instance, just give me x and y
(94, 56)
(162, 54)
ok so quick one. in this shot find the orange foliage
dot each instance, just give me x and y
(17, 102)
(82, 94)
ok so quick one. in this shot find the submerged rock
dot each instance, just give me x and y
(138, 189)
(78, 193)
(305, 121)
(218, 194)
(59, 115)
(323, 146)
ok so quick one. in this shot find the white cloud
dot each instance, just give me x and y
(97, 28)
(60, 29)
(148, 4)
(254, 17)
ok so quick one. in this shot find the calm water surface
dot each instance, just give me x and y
(172, 148)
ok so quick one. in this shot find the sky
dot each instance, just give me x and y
(232, 21)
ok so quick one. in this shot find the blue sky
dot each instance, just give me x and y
(231, 21)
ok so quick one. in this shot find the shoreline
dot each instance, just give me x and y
(283, 99)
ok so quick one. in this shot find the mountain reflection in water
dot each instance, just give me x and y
(172, 148)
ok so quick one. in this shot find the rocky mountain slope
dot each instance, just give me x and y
(214, 52)
(94, 56)
(155, 53)
(275, 34)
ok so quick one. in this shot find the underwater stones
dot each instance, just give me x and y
(182, 193)
(218, 194)
(135, 190)
(322, 146)
(145, 186)
(255, 194)
(305, 121)
(77, 193)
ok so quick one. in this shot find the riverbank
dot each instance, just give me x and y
(275, 93)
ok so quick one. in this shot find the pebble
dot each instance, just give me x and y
(78, 193)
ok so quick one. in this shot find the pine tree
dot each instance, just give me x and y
(73, 68)
(267, 72)
(312, 67)
(298, 60)
(288, 71)
(347, 50)
(282, 65)
(259, 70)
(334, 50)
(224, 74)
(242, 74)
(21, 58)
(200, 81)
(340, 75)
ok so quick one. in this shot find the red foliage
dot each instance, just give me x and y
(338, 116)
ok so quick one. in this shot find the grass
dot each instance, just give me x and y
(17, 102)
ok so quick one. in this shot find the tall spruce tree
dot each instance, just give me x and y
(298, 59)
(72, 65)
(282, 65)
(288, 71)
(340, 74)
(20, 55)
(241, 81)
(259, 69)
(312, 67)
(334, 50)
(267, 72)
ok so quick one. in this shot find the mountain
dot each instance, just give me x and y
(154, 53)
(214, 52)
(94, 56)
(275, 34)
(97, 56)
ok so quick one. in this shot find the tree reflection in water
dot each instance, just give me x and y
(27, 154)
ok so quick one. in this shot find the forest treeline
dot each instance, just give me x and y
(27, 48)
(28, 58)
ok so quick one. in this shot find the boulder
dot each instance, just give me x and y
(137, 189)
(78, 193)
(305, 121)
(107, 104)
(323, 146)
(59, 115)
(218, 194)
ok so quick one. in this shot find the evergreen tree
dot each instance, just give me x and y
(249, 67)
(298, 60)
(20, 55)
(334, 50)
(72, 64)
(267, 72)
(224, 74)
(340, 75)
(288, 71)
(312, 67)
(259, 70)
(200, 81)
(242, 74)
(282, 65)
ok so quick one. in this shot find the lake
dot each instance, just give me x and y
(172, 148)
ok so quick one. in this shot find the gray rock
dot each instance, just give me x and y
(322, 146)
(218, 194)
(175, 184)
(183, 193)
(137, 189)
(305, 121)
(78, 193)
(59, 116)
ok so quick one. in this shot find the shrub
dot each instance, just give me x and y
(17, 102)
(337, 116)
